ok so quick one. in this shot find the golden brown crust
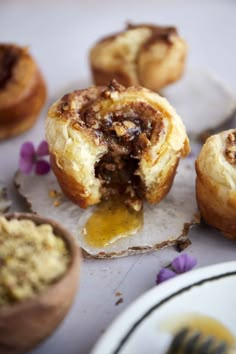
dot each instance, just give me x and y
(146, 55)
(115, 140)
(22, 93)
(74, 190)
(155, 194)
(215, 189)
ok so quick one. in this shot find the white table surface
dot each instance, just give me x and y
(59, 34)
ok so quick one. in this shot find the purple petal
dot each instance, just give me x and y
(164, 275)
(183, 263)
(42, 149)
(27, 150)
(42, 167)
(25, 165)
(27, 157)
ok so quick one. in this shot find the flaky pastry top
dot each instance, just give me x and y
(17, 73)
(217, 159)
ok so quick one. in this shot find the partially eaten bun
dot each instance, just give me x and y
(105, 141)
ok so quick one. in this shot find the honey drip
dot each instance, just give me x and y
(204, 324)
(111, 221)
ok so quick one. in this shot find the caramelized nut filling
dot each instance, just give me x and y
(127, 134)
(159, 33)
(230, 151)
(127, 131)
(9, 56)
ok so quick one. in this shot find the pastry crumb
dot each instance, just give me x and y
(119, 301)
(183, 244)
(57, 203)
(118, 293)
(54, 193)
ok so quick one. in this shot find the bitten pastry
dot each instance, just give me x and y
(22, 90)
(113, 140)
(146, 55)
(216, 182)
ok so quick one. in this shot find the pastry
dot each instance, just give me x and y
(22, 90)
(105, 141)
(146, 55)
(216, 181)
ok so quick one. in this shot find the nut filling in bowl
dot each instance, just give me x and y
(107, 141)
(32, 257)
(39, 268)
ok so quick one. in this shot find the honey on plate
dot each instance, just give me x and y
(207, 325)
(111, 221)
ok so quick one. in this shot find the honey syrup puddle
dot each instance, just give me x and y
(207, 325)
(111, 221)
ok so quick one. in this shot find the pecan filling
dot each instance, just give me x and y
(127, 133)
(8, 59)
(230, 151)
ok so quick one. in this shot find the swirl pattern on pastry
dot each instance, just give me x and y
(216, 182)
(146, 55)
(113, 140)
(22, 90)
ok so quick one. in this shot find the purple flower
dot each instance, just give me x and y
(31, 157)
(183, 263)
(179, 265)
(164, 275)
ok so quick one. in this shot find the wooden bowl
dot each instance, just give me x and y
(23, 325)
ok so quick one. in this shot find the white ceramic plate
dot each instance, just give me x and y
(209, 291)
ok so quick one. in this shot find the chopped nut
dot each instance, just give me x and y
(57, 203)
(231, 137)
(115, 86)
(95, 125)
(129, 124)
(230, 151)
(73, 105)
(53, 194)
(106, 94)
(119, 129)
(134, 203)
(110, 166)
(130, 190)
(65, 106)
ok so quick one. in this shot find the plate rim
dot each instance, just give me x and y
(152, 298)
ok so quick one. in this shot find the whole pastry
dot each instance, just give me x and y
(216, 182)
(105, 141)
(22, 90)
(146, 55)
